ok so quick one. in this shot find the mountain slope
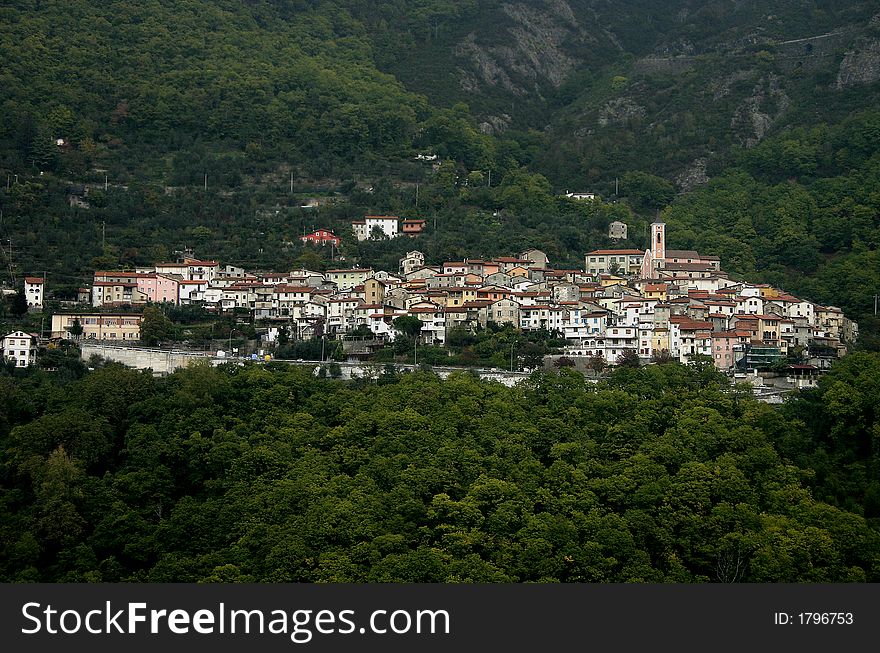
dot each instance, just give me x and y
(642, 85)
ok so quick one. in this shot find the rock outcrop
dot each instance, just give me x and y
(757, 113)
(695, 175)
(860, 66)
(534, 53)
(619, 110)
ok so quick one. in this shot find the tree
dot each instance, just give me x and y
(362, 331)
(408, 325)
(597, 363)
(647, 192)
(76, 329)
(532, 355)
(19, 304)
(662, 356)
(629, 358)
(155, 327)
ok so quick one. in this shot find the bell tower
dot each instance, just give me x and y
(658, 244)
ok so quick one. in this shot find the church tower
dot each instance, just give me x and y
(658, 244)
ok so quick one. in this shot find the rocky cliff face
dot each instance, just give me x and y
(694, 175)
(861, 65)
(757, 113)
(618, 111)
(531, 54)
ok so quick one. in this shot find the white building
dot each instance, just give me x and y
(20, 348)
(389, 225)
(580, 196)
(33, 292)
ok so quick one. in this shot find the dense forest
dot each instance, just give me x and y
(269, 473)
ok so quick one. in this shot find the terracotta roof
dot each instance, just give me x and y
(133, 275)
(688, 267)
(682, 253)
(34, 280)
(686, 323)
(616, 252)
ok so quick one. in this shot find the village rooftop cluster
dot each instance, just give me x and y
(659, 302)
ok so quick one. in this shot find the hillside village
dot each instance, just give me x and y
(657, 304)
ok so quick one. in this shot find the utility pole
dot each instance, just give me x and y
(105, 183)
(490, 177)
(206, 181)
(11, 266)
(875, 303)
(417, 194)
(291, 182)
(616, 186)
(103, 236)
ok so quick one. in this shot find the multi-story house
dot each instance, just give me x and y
(727, 348)
(98, 326)
(373, 226)
(20, 348)
(33, 292)
(348, 279)
(608, 261)
(411, 262)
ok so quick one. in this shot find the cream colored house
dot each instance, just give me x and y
(98, 326)
(348, 279)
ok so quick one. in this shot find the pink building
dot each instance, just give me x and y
(160, 288)
(725, 349)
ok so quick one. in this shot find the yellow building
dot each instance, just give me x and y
(769, 292)
(656, 291)
(374, 291)
(456, 297)
(606, 280)
(98, 326)
(660, 340)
